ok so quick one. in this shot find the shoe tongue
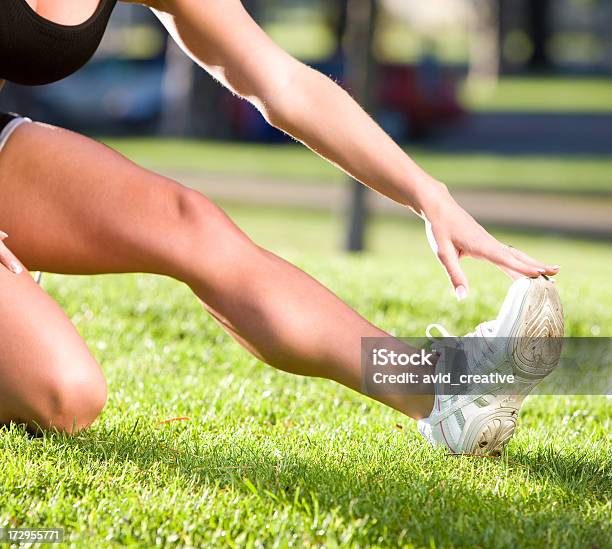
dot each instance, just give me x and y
(518, 289)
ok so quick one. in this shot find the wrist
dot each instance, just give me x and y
(430, 194)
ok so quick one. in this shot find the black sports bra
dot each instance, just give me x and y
(35, 51)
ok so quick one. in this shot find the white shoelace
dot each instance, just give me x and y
(486, 329)
(475, 345)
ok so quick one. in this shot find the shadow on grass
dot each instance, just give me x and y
(390, 499)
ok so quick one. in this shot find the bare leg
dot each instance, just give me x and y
(92, 211)
(48, 378)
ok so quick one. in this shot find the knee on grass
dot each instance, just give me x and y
(69, 401)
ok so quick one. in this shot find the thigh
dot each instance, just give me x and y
(47, 374)
(72, 205)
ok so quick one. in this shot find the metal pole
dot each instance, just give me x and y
(361, 17)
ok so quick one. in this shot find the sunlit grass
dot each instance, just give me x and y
(542, 94)
(268, 459)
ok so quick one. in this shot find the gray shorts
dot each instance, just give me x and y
(9, 122)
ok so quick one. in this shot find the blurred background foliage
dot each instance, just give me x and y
(435, 61)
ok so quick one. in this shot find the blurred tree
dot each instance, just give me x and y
(539, 30)
(485, 43)
(360, 66)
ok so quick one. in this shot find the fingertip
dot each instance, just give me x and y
(551, 271)
(461, 292)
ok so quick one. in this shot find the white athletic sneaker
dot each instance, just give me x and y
(515, 343)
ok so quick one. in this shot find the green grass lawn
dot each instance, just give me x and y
(542, 94)
(268, 459)
(294, 163)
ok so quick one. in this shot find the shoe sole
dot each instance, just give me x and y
(536, 346)
(535, 349)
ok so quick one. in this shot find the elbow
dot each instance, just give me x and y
(285, 100)
(276, 116)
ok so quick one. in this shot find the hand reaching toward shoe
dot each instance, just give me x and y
(453, 234)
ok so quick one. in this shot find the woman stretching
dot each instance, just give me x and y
(74, 206)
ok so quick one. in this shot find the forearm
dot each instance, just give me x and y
(319, 113)
(296, 99)
(222, 38)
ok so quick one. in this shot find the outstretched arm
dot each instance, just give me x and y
(222, 38)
